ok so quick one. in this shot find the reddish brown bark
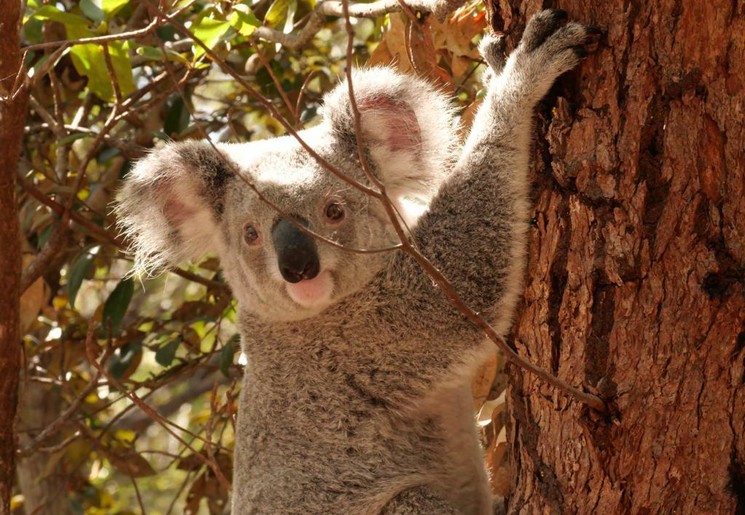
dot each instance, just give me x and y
(635, 286)
(12, 116)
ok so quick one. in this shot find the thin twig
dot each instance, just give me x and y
(91, 354)
(108, 38)
(112, 74)
(65, 415)
(276, 82)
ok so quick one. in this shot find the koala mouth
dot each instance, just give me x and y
(312, 292)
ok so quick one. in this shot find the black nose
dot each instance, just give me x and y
(297, 253)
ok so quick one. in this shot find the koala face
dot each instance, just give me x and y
(277, 271)
(249, 202)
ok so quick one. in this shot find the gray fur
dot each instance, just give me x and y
(359, 402)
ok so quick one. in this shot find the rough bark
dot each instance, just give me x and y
(12, 115)
(636, 280)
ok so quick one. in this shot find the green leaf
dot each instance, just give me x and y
(89, 60)
(164, 355)
(92, 9)
(244, 21)
(227, 354)
(111, 7)
(76, 272)
(116, 305)
(122, 67)
(282, 10)
(276, 12)
(209, 31)
(99, 10)
(176, 117)
(50, 12)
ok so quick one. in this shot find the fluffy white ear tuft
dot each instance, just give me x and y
(170, 204)
(408, 129)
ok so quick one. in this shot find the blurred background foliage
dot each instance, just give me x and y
(129, 391)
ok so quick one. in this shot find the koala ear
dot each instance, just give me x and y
(408, 127)
(171, 203)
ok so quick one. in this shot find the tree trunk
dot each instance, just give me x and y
(44, 486)
(635, 286)
(12, 116)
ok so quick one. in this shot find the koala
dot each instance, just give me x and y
(356, 395)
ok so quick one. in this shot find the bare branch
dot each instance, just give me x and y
(108, 38)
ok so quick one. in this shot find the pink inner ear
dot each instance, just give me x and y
(394, 124)
(175, 209)
(178, 212)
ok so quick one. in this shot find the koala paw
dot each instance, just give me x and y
(551, 45)
(492, 48)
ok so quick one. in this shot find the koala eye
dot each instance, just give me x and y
(251, 235)
(335, 211)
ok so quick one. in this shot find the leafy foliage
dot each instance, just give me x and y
(141, 375)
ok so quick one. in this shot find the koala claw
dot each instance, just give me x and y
(492, 48)
(541, 26)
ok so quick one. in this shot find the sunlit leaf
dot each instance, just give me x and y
(89, 61)
(290, 18)
(276, 12)
(111, 7)
(99, 10)
(208, 31)
(50, 12)
(117, 303)
(244, 21)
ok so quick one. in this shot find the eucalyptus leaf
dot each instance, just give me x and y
(111, 7)
(165, 354)
(227, 355)
(92, 9)
(51, 13)
(244, 21)
(76, 272)
(116, 305)
(208, 31)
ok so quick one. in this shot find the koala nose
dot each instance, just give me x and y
(297, 252)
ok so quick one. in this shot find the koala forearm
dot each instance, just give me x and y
(475, 229)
